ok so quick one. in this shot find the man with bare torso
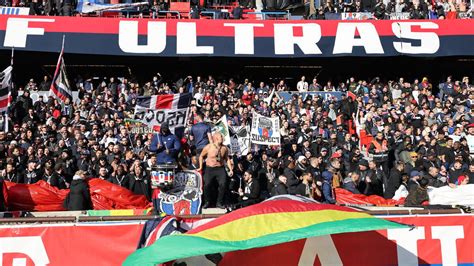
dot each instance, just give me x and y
(216, 156)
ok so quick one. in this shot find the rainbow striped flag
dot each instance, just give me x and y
(268, 223)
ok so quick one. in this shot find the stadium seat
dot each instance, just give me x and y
(184, 8)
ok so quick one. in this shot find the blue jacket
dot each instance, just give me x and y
(171, 142)
(327, 193)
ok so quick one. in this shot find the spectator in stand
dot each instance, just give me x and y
(201, 134)
(79, 197)
(327, 188)
(250, 193)
(351, 183)
(418, 194)
(166, 145)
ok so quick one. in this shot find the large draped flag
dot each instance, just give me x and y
(60, 85)
(268, 223)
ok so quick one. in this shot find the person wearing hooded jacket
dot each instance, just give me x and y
(166, 145)
(79, 197)
(328, 193)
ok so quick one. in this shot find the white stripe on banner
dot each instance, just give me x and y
(153, 100)
(174, 104)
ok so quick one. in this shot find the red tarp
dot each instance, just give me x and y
(107, 196)
(346, 197)
(43, 197)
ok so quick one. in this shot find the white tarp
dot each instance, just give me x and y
(460, 195)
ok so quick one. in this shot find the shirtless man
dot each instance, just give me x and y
(216, 155)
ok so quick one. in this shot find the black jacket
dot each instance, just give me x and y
(79, 197)
(254, 188)
(279, 189)
(55, 180)
(13, 177)
(301, 190)
(31, 177)
(292, 180)
(393, 183)
(140, 185)
(122, 180)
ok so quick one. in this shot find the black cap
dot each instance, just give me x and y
(364, 163)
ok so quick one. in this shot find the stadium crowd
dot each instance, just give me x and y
(423, 135)
(313, 9)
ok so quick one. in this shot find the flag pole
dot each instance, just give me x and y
(13, 52)
(5, 128)
(62, 46)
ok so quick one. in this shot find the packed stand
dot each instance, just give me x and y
(388, 9)
(422, 135)
(313, 9)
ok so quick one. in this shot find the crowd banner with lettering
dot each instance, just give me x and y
(240, 140)
(436, 240)
(185, 196)
(158, 109)
(222, 127)
(265, 130)
(238, 38)
(326, 95)
(176, 118)
(137, 126)
(357, 16)
(400, 16)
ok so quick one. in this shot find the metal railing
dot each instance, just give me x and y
(76, 219)
(166, 12)
(271, 14)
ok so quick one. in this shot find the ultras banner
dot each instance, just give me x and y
(230, 38)
(437, 240)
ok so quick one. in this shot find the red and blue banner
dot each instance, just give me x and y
(230, 38)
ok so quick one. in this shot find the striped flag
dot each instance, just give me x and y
(60, 85)
(165, 101)
(5, 80)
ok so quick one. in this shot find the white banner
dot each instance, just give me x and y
(240, 140)
(400, 16)
(222, 127)
(357, 16)
(265, 130)
(154, 118)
